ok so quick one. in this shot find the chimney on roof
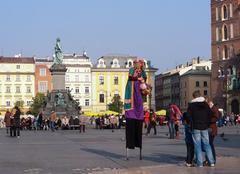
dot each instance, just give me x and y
(84, 53)
(18, 55)
(198, 59)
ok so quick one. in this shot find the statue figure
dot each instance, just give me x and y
(60, 99)
(58, 56)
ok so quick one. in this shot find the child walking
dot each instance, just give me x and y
(188, 140)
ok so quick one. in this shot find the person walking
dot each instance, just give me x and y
(152, 123)
(40, 121)
(173, 115)
(188, 140)
(17, 122)
(146, 118)
(213, 127)
(200, 114)
(83, 122)
(7, 120)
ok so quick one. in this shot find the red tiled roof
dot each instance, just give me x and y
(27, 60)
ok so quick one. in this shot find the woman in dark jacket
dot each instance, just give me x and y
(17, 121)
(213, 126)
(7, 120)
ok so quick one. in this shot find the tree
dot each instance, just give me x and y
(38, 102)
(116, 104)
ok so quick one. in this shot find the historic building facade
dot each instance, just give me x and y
(198, 78)
(169, 85)
(78, 79)
(109, 78)
(17, 81)
(43, 78)
(225, 25)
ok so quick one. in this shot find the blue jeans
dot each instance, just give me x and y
(200, 137)
(52, 125)
(171, 129)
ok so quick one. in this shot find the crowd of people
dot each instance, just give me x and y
(229, 119)
(200, 123)
(12, 122)
(15, 121)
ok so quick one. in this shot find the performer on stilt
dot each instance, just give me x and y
(136, 88)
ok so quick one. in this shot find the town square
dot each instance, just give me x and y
(104, 87)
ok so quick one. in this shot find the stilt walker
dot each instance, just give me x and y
(136, 88)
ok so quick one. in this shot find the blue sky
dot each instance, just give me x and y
(166, 32)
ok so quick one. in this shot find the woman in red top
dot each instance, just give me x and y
(146, 118)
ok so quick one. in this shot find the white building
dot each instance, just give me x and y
(17, 81)
(78, 79)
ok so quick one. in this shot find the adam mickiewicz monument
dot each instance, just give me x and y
(59, 99)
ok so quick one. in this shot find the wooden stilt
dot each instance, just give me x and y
(140, 154)
(127, 153)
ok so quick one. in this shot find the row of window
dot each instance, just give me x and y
(102, 97)
(77, 89)
(86, 102)
(43, 71)
(224, 12)
(197, 84)
(77, 79)
(115, 63)
(115, 80)
(17, 89)
(18, 78)
(184, 103)
(8, 103)
(78, 70)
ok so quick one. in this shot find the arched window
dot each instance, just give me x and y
(218, 53)
(225, 52)
(115, 63)
(224, 12)
(225, 32)
(129, 63)
(101, 63)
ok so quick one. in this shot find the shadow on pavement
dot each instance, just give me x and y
(156, 157)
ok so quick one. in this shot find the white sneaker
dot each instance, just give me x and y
(18, 136)
(212, 165)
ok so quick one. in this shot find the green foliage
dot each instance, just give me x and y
(116, 104)
(38, 102)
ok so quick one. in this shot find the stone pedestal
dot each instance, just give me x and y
(58, 76)
(59, 99)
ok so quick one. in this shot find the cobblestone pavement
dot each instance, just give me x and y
(102, 151)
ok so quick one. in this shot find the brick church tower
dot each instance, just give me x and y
(225, 44)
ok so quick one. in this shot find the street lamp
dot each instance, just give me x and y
(150, 98)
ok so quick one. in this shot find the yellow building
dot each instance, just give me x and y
(16, 81)
(109, 78)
